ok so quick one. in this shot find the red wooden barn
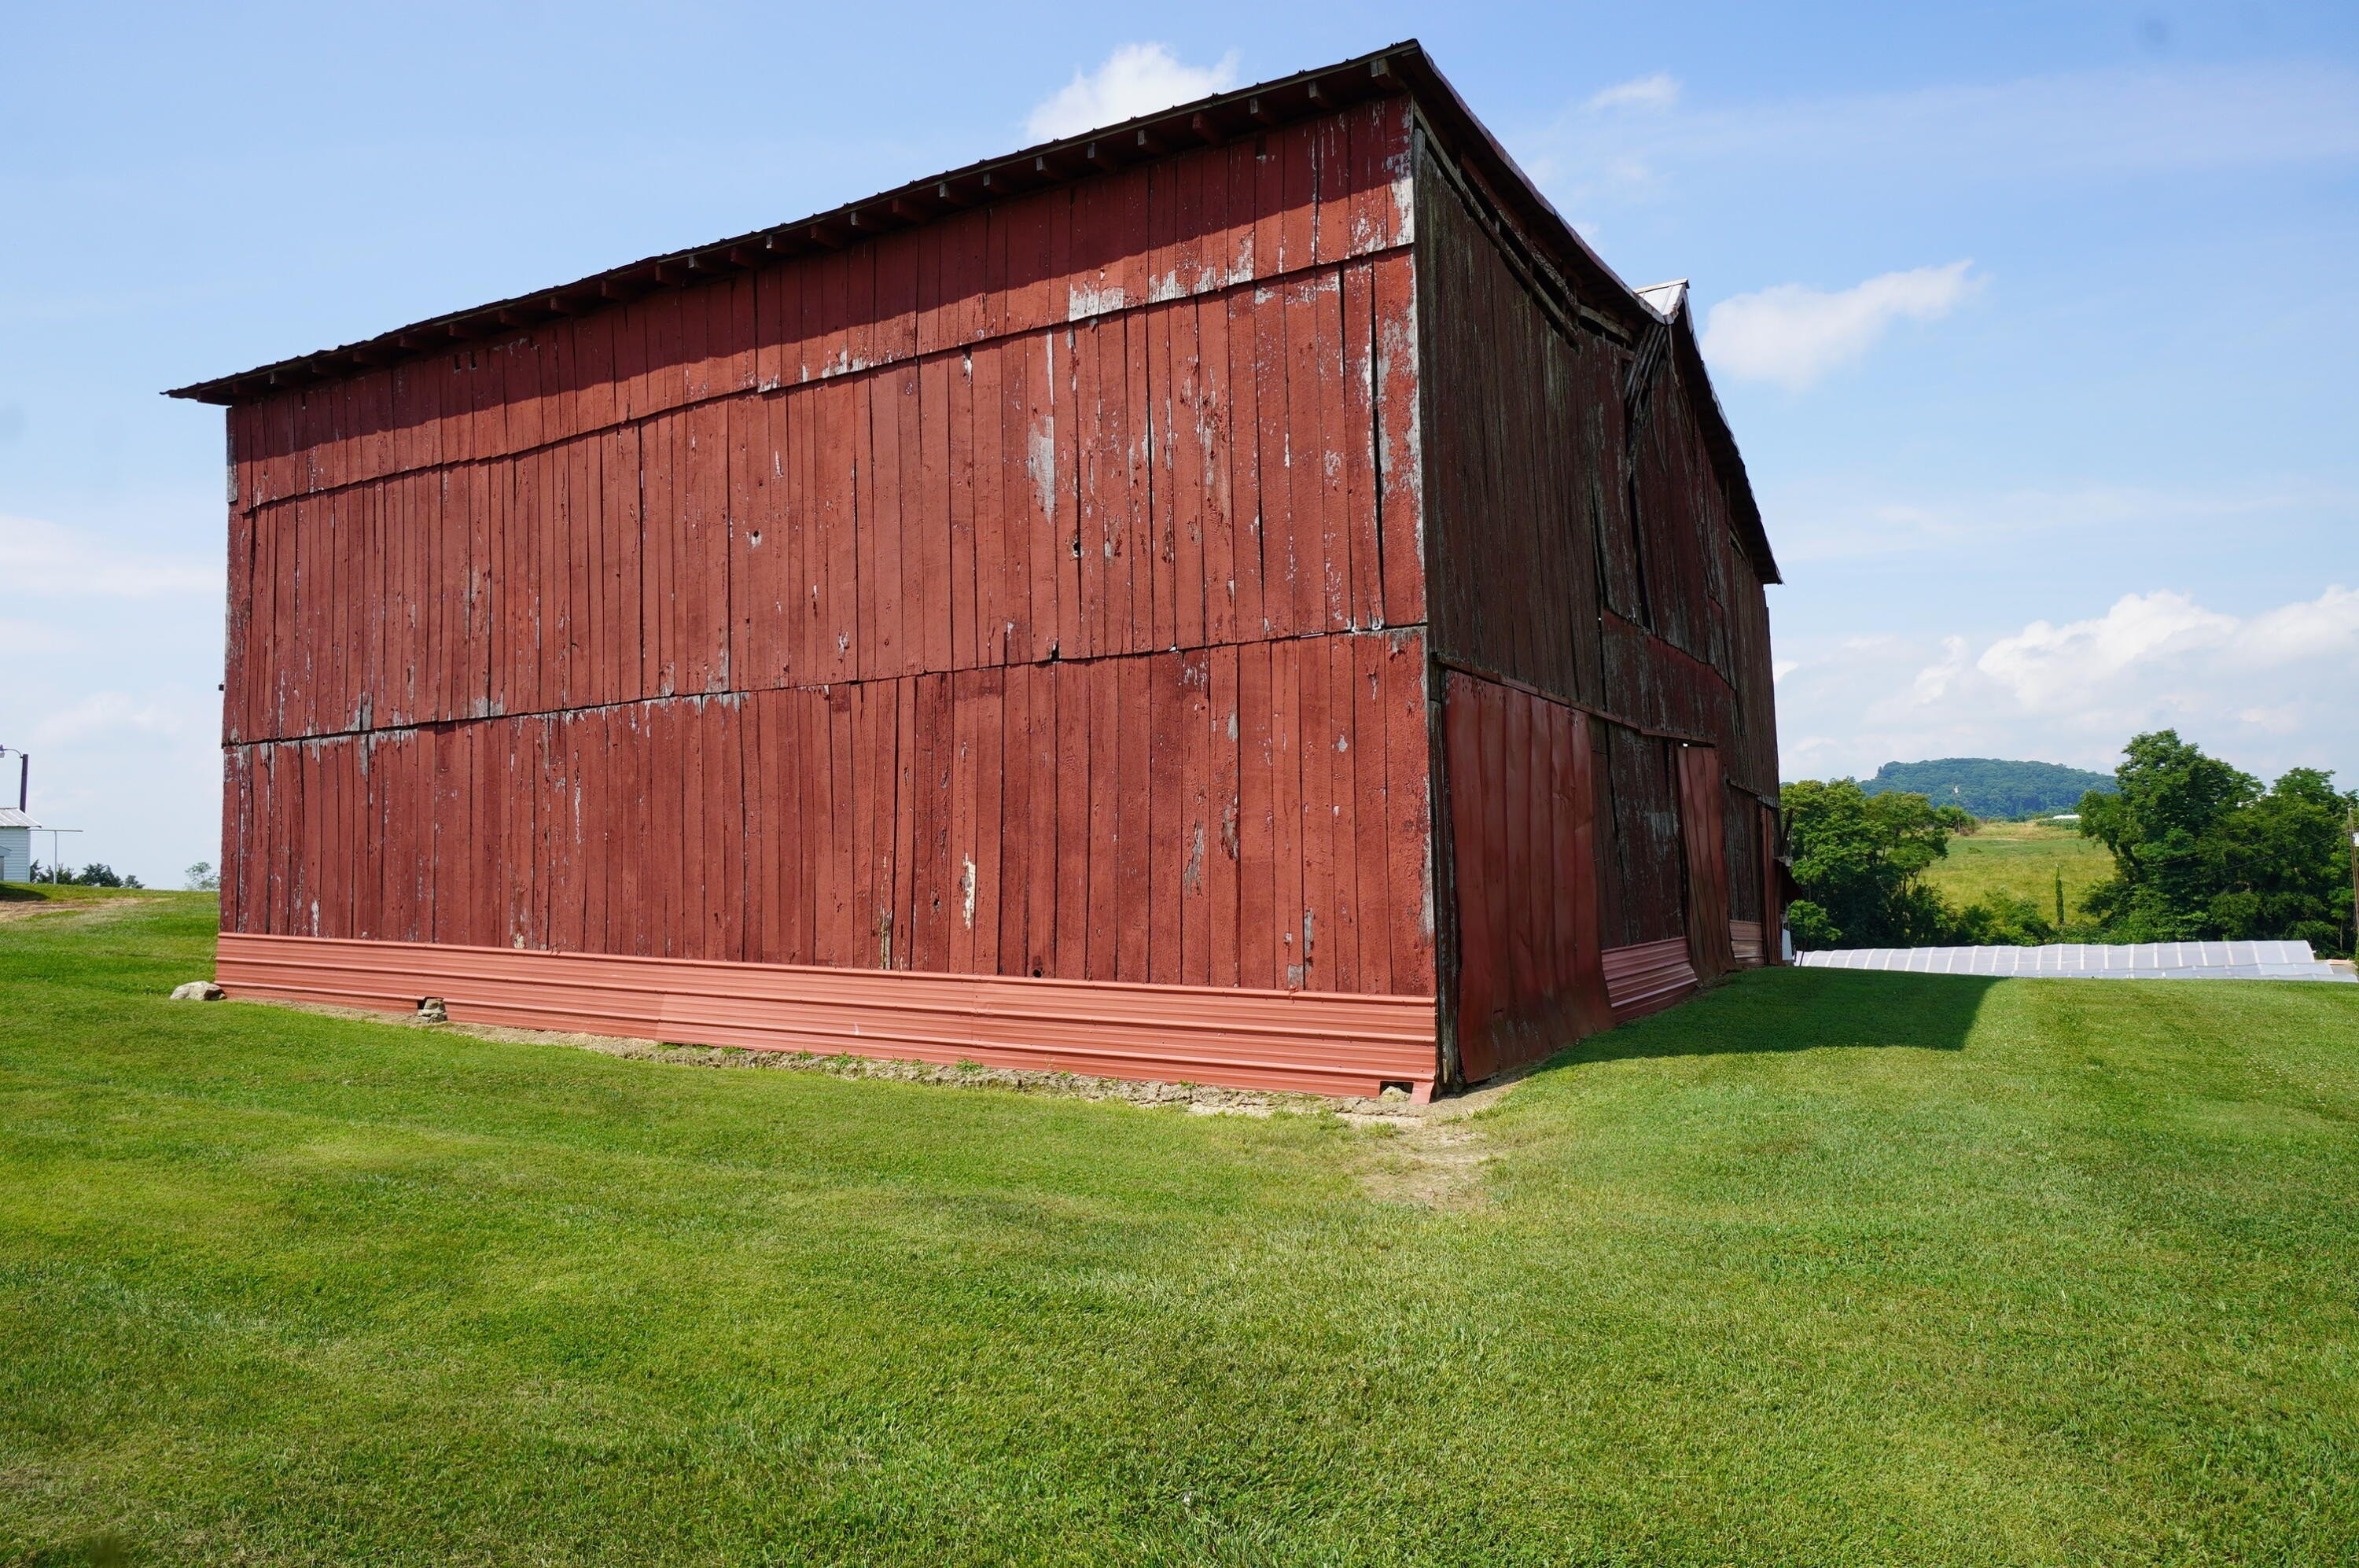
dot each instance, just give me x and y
(1245, 596)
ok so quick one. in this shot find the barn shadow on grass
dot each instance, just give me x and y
(1800, 1009)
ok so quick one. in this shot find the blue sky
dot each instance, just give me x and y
(2036, 323)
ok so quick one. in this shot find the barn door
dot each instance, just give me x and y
(1523, 846)
(1703, 792)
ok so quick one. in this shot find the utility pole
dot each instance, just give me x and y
(2351, 821)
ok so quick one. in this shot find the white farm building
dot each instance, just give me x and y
(15, 846)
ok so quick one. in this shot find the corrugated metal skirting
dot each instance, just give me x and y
(1647, 977)
(1306, 1041)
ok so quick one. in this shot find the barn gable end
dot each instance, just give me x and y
(1595, 581)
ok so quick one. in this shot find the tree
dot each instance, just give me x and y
(2281, 865)
(2201, 853)
(202, 878)
(1859, 865)
(97, 873)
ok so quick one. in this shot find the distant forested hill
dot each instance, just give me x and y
(1989, 787)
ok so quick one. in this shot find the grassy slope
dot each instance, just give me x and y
(1825, 1267)
(37, 893)
(2022, 859)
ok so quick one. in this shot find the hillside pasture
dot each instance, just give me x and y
(2021, 859)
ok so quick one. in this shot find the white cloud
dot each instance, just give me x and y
(1933, 681)
(1136, 78)
(1794, 336)
(2268, 691)
(1660, 91)
(2326, 627)
(45, 559)
(2045, 667)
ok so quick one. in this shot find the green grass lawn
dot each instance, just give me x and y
(2021, 859)
(1825, 1267)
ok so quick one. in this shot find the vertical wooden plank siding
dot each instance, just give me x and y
(1772, 900)
(916, 822)
(1702, 835)
(1531, 968)
(736, 544)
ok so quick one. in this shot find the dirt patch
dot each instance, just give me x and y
(1435, 1155)
(80, 911)
(1435, 1163)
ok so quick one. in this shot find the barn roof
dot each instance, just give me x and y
(1402, 67)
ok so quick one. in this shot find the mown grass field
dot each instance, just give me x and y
(1825, 1267)
(2021, 859)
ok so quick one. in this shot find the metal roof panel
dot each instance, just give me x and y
(2095, 961)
